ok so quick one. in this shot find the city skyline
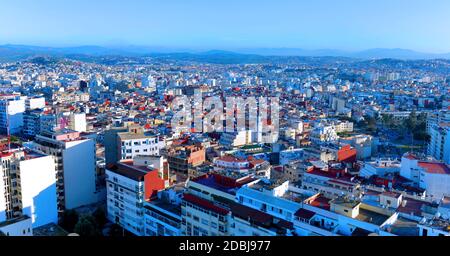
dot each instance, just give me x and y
(347, 25)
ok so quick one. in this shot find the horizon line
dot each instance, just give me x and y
(212, 48)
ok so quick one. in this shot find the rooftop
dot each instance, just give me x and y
(172, 208)
(221, 182)
(13, 221)
(260, 218)
(435, 168)
(348, 203)
(205, 204)
(49, 230)
(129, 170)
(371, 217)
(320, 201)
(404, 227)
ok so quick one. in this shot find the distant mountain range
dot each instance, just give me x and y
(378, 53)
(256, 55)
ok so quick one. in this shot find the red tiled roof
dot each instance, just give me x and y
(412, 207)
(435, 168)
(204, 204)
(304, 214)
(411, 156)
(320, 202)
(229, 158)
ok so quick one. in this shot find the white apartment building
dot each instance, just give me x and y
(12, 108)
(32, 122)
(20, 226)
(324, 133)
(125, 196)
(344, 127)
(365, 145)
(436, 118)
(434, 177)
(163, 216)
(35, 103)
(312, 214)
(77, 122)
(380, 167)
(439, 146)
(28, 187)
(136, 143)
(236, 139)
(75, 168)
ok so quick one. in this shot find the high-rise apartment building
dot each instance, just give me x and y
(75, 168)
(27, 186)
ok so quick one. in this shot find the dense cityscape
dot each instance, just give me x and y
(88, 148)
(222, 128)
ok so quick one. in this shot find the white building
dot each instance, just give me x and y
(236, 139)
(163, 216)
(341, 127)
(149, 83)
(135, 143)
(78, 122)
(365, 145)
(75, 170)
(324, 133)
(20, 226)
(380, 167)
(125, 197)
(11, 113)
(32, 122)
(28, 187)
(35, 103)
(439, 146)
(434, 177)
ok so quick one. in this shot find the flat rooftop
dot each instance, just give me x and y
(320, 201)
(13, 221)
(50, 230)
(222, 183)
(172, 208)
(296, 197)
(371, 217)
(404, 227)
(129, 170)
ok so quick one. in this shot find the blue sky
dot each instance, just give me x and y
(421, 25)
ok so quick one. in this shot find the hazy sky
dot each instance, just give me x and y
(225, 24)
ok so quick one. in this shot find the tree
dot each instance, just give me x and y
(116, 231)
(68, 220)
(100, 217)
(411, 122)
(387, 120)
(420, 130)
(371, 123)
(86, 226)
